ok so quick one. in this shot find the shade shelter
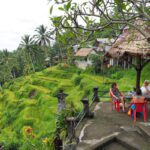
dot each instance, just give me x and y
(132, 44)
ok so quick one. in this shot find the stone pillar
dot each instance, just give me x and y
(71, 123)
(61, 101)
(86, 108)
(71, 137)
(58, 143)
(95, 95)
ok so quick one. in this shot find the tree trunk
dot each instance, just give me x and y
(14, 74)
(138, 78)
(138, 67)
(138, 72)
(60, 53)
(31, 62)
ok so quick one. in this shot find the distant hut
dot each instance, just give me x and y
(82, 59)
(131, 48)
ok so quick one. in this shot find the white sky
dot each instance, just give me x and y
(19, 17)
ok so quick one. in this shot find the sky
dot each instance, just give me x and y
(19, 17)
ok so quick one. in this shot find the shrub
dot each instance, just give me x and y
(56, 91)
(11, 145)
(77, 80)
(90, 70)
(83, 83)
(7, 84)
(117, 75)
(86, 92)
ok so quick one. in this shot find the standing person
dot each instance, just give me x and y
(145, 88)
(117, 95)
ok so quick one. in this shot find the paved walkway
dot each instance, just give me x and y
(111, 130)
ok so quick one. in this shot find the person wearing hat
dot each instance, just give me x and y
(145, 88)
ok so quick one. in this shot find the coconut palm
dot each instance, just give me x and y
(5, 56)
(6, 60)
(42, 37)
(26, 44)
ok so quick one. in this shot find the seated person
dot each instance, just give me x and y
(145, 88)
(138, 98)
(134, 92)
(135, 103)
(117, 95)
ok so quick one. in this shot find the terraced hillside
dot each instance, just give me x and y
(28, 105)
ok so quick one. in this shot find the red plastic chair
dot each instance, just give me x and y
(115, 104)
(146, 106)
(140, 107)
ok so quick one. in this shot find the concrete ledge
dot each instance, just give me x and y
(94, 143)
(145, 130)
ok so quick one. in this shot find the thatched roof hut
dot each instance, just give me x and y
(132, 43)
(82, 57)
(84, 52)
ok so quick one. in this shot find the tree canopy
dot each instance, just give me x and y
(96, 15)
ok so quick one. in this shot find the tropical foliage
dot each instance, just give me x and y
(34, 53)
(98, 15)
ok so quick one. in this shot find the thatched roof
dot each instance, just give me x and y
(83, 52)
(131, 42)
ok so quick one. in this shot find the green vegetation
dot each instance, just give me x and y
(28, 105)
(28, 93)
(103, 22)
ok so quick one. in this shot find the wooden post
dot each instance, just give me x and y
(71, 122)
(95, 95)
(138, 78)
(86, 108)
(58, 143)
(138, 72)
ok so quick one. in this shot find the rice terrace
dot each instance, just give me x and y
(75, 75)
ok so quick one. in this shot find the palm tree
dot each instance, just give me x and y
(5, 56)
(42, 37)
(26, 44)
(6, 60)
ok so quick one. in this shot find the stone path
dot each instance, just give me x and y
(110, 130)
